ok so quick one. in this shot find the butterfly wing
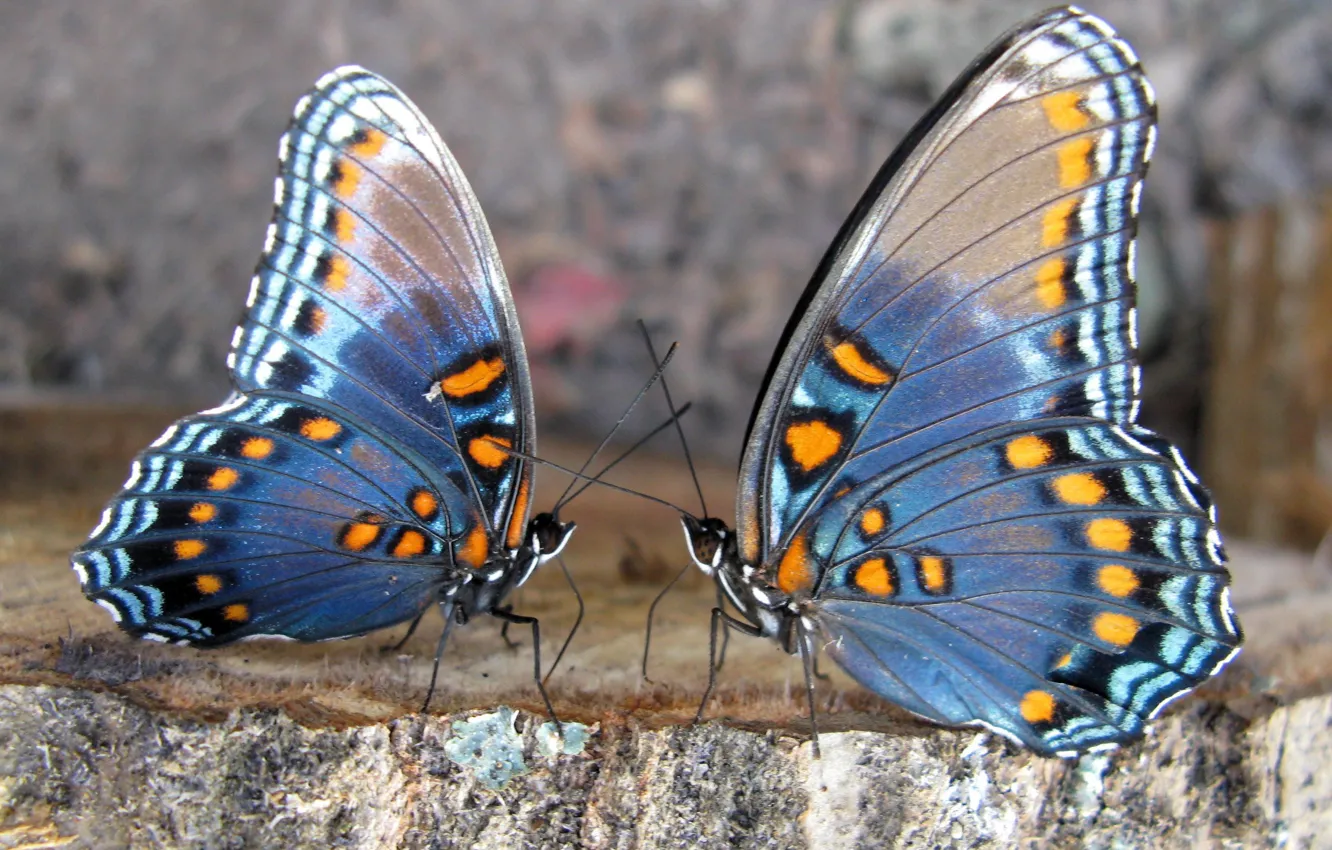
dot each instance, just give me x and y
(380, 374)
(1058, 581)
(380, 291)
(270, 516)
(944, 456)
(983, 278)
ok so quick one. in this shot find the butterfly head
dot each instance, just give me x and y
(711, 543)
(547, 536)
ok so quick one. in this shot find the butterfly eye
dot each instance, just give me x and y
(706, 539)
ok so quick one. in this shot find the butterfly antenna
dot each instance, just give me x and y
(597, 479)
(652, 352)
(578, 622)
(584, 477)
(619, 422)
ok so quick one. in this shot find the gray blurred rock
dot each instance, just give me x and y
(698, 157)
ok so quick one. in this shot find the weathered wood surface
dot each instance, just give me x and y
(110, 742)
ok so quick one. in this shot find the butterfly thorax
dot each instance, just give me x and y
(480, 590)
(774, 612)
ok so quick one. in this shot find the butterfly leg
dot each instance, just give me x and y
(507, 616)
(821, 676)
(726, 635)
(504, 629)
(807, 660)
(652, 611)
(577, 622)
(410, 631)
(439, 653)
(721, 618)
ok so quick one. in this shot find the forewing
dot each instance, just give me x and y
(984, 278)
(380, 292)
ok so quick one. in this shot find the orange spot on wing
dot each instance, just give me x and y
(1059, 339)
(489, 451)
(518, 516)
(1037, 707)
(1050, 283)
(424, 504)
(472, 553)
(349, 175)
(1117, 580)
(848, 358)
(1064, 111)
(187, 549)
(257, 448)
(473, 379)
(338, 269)
(358, 536)
(318, 320)
(344, 226)
(1119, 629)
(223, 478)
(871, 522)
(411, 544)
(1074, 162)
(320, 429)
(1079, 488)
(794, 573)
(1054, 225)
(873, 577)
(1112, 534)
(207, 584)
(812, 443)
(202, 511)
(370, 143)
(1028, 452)
(933, 573)
(237, 613)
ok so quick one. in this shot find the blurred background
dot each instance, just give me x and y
(681, 161)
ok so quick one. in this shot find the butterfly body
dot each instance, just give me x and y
(943, 484)
(373, 459)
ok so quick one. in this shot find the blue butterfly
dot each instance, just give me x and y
(372, 461)
(943, 484)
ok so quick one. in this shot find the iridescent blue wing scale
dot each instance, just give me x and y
(359, 468)
(944, 459)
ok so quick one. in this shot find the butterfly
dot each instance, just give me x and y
(373, 459)
(943, 485)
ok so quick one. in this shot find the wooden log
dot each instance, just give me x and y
(107, 742)
(1270, 386)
